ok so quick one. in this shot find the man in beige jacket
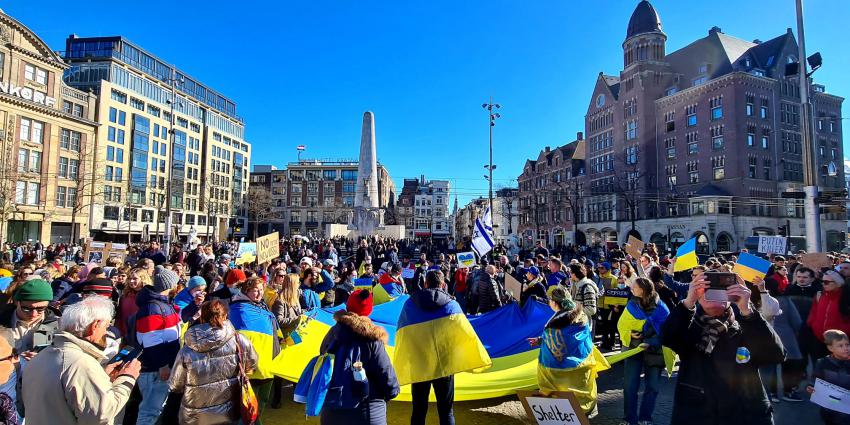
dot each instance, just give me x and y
(86, 392)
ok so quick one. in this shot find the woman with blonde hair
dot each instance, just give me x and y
(287, 310)
(127, 308)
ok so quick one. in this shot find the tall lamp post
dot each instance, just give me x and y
(168, 224)
(492, 117)
(810, 163)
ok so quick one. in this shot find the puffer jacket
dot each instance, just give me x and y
(205, 372)
(490, 294)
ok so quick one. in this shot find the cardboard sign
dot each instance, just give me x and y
(465, 259)
(95, 252)
(816, 261)
(558, 408)
(268, 247)
(247, 253)
(512, 286)
(772, 244)
(634, 247)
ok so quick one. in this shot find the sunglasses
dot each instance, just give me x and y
(33, 309)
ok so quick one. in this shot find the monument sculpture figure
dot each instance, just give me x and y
(368, 215)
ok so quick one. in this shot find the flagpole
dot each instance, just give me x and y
(492, 116)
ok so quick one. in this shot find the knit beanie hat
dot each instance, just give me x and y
(235, 276)
(34, 290)
(164, 279)
(561, 296)
(196, 281)
(360, 302)
(100, 286)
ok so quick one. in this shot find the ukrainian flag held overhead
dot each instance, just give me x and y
(686, 256)
(432, 344)
(751, 267)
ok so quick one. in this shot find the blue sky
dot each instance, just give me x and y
(304, 72)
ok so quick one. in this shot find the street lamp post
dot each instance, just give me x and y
(172, 102)
(810, 177)
(492, 116)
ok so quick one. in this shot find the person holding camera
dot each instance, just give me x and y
(721, 345)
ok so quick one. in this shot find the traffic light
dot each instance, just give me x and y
(782, 230)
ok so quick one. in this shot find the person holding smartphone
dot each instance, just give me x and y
(721, 345)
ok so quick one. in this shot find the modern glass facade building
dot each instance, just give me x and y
(195, 144)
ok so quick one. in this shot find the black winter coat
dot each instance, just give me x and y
(716, 389)
(490, 293)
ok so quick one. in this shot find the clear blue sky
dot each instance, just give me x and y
(303, 72)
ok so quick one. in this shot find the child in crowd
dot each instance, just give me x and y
(835, 369)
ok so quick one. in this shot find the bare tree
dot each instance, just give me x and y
(260, 206)
(572, 196)
(8, 177)
(628, 182)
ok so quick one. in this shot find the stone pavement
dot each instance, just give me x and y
(509, 411)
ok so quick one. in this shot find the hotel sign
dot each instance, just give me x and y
(28, 94)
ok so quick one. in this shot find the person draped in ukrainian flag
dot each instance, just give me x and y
(390, 285)
(640, 327)
(568, 359)
(434, 341)
(251, 317)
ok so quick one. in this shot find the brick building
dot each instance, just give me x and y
(699, 142)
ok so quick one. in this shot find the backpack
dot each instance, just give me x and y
(344, 390)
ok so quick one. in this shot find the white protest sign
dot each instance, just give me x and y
(831, 396)
(559, 409)
(772, 244)
(407, 273)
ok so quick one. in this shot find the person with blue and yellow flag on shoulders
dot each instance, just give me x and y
(640, 327)
(251, 317)
(435, 341)
(568, 359)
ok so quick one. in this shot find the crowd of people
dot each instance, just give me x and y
(166, 335)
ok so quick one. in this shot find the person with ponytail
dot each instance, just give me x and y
(568, 359)
(640, 327)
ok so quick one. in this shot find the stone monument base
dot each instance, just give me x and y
(392, 231)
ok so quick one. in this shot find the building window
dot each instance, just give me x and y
(631, 156)
(138, 104)
(700, 80)
(693, 172)
(33, 73)
(71, 139)
(750, 108)
(32, 131)
(111, 212)
(29, 161)
(671, 147)
(329, 201)
(118, 96)
(27, 193)
(763, 110)
(764, 142)
(349, 175)
(718, 164)
(329, 175)
(751, 135)
(631, 130)
(717, 137)
(692, 140)
(716, 105)
(691, 112)
(767, 166)
(751, 169)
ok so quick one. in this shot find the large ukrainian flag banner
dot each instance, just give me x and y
(634, 319)
(258, 325)
(448, 331)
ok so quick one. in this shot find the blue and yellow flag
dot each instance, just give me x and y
(686, 256)
(312, 387)
(436, 343)
(380, 295)
(751, 267)
(569, 361)
(634, 319)
(363, 283)
(258, 325)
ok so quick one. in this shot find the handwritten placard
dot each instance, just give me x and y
(407, 273)
(557, 408)
(772, 244)
(465, 259)
(831, 396)
(634, 247)
(268, 247)
(816, 260)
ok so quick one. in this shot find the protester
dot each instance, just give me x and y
(189, 300)
(206, 372)
(556, 276)
(721, 346)
(250, 315)
(157, 329)
(830, 309)
(287, 309)
(568, 360)
(66, 383)
(640, 326)
(232, 281)
(490, 293)
(534, 286)
(363, 377)
(834, 369)
(429, 356)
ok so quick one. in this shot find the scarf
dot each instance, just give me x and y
(715, 327)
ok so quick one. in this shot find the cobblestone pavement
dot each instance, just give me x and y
(509, 411)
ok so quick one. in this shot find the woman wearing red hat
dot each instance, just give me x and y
(363, 377)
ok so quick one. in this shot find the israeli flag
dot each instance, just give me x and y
(482, 241)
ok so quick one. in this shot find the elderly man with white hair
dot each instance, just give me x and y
(87, 393)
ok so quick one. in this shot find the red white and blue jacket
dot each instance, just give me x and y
(157, 330)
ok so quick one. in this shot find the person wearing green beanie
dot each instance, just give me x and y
(28, 324)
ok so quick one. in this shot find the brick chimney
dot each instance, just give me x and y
(579, 136)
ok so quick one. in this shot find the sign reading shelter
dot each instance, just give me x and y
(27, 93)
(268, 247)
(772, 244)
(465, 259)
(559, 408)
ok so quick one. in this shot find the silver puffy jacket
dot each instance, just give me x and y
(205, 372)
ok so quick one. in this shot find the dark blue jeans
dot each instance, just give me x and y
(632, 367)
(444, 392)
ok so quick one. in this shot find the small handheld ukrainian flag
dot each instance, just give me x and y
(751, 267)
(686, 256)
